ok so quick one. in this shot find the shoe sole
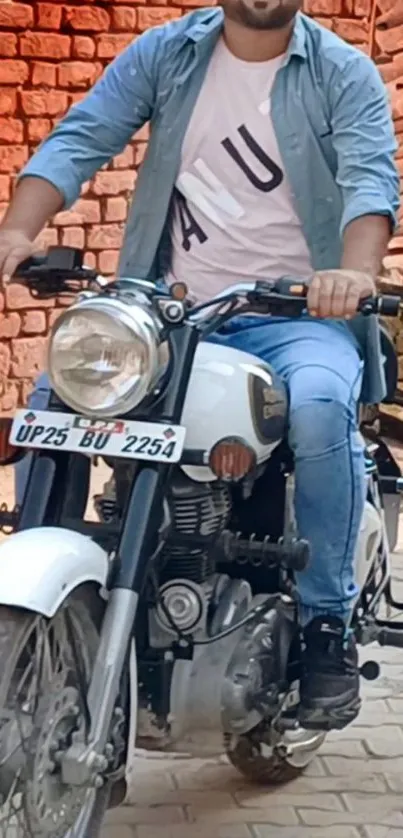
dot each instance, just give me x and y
(329, 718)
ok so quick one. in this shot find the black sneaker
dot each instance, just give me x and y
(330, 680)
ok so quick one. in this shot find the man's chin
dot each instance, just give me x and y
(260, 18)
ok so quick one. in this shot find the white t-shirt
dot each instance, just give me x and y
(233, 216)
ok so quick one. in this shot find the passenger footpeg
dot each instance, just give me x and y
(382, 632)
(391, 637)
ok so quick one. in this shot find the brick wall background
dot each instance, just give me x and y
(50, 53)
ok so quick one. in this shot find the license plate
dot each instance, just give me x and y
(112, 438)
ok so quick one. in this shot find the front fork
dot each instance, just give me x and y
(86, 756)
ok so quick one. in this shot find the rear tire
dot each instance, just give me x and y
(263, 764)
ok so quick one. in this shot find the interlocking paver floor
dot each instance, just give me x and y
(354, 789)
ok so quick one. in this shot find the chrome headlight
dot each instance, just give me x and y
(105, 356)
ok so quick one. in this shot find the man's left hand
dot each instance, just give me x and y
(337, 293)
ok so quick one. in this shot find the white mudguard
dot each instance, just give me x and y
(40, 567)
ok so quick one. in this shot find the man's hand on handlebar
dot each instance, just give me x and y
(337, 293)
(330, 294)
(15, 247)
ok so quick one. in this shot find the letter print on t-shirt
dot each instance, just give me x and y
(233, 214)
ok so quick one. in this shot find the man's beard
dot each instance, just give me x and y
(276, 18)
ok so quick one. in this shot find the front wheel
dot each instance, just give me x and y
(42, 664)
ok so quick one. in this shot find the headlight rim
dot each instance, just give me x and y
(145, 327)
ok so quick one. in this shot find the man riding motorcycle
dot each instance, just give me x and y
(271, 154)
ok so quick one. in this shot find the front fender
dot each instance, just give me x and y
(40, 567)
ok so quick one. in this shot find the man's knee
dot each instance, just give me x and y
(38, 400)
(39, 397)
(322, 414)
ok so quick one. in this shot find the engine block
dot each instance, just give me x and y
(195, 509)
(228, 683)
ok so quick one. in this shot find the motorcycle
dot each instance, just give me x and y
(171, 623)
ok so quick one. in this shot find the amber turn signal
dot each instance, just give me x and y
(231, 459)
(8, 453)
(179, 291)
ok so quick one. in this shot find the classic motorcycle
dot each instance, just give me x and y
(171, 623)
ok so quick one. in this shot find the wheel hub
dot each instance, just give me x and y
(53, 806)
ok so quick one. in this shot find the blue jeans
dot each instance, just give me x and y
(321, 366)
(322, 369)
(38, 400)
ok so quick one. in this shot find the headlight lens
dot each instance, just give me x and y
(104, 356)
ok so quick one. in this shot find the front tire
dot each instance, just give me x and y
(40, 707)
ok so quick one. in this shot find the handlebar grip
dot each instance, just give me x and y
(57, 260)
(28, 266)
(389, 305)
(386, 305)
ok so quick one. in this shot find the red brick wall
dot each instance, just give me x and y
(50, 53)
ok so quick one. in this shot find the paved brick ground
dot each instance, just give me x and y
(354, 789)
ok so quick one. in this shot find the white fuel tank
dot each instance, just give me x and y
(232, 393)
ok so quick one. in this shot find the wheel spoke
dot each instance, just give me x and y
(37, 716)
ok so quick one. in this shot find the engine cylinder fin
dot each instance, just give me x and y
(196, 509)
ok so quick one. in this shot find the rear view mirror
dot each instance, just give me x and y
(9, 454)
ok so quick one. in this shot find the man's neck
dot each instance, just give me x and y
(254, 45)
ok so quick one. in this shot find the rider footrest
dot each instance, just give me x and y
(331, 718)
(292, 556)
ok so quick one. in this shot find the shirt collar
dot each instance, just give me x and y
(297, 45)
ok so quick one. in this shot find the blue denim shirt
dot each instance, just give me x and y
(331, 117)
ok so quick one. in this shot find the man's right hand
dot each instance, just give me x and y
(15, 246)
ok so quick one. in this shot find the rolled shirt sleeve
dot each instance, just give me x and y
(102, 124)
(365, 143)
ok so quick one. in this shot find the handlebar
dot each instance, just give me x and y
(61, 270)
(58, 263)
(287, 297)
(287, 290)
